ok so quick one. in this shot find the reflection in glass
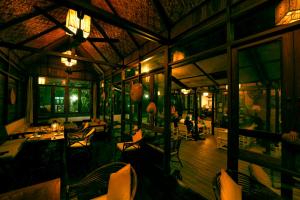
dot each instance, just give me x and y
(59, 98)
(45, 99)
(146, 99)
(85, 100)
(74, 100)
(159, 98)
(260, 87)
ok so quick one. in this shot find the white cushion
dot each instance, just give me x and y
(229, 189)
(119, 185)
(260, 175)
(137, 136)
(120, 146)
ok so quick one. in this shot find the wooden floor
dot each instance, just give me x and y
(201, 162)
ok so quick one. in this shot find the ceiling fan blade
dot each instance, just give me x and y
(102, 40)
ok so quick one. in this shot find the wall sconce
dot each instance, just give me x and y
(185, 91)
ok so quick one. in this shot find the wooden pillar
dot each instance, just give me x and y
(98, 100)
(277, 123)
(111, 103)
(167, 112)
(105, 90)
(195, 111)
(213, 113)
(140, 108)
(123, 104)
(233, 106)
(36, 100)
(189, 103)
(200, 103)
(66, 98)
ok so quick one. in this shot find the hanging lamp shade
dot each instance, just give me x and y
(67, 61)
(74, 23)
(151, 108)
(287, 11)
(136, 92)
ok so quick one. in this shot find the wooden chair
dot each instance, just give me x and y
(251, 189)
(96, 183)
(77, 141)
(133, 145)
(175, 147)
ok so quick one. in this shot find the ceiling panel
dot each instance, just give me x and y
(186, 71)
(214, 64)
(197, 82)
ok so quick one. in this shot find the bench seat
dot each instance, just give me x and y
(10, 148)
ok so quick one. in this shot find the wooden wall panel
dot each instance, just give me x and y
(297, 76)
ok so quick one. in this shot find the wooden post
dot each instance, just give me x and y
(233, 106)
(196, 111)
(277, 124)
(123, 103)
(67, 98)
(140, 108)
(167, 113)
(213, 113)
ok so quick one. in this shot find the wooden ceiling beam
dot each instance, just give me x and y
(101, 14)
(37, 35)
(96, 66)
(99, 52)
(162, 14)
(178, 82)
(25, 17)
(55, 21)
(57, 54)
(206, 74)
(47, 46)
(104, 34)
(129, 33)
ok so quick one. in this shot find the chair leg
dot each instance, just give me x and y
(179, 160)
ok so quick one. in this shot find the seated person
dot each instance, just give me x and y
(189, 124)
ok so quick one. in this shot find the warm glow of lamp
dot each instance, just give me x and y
(287, 11)
(67, 61)
(205, 94)
(42, 80)
(74, 22)
(185, 91)
(177, 55)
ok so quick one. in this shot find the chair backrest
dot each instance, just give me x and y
(97, 181)
(90, 133)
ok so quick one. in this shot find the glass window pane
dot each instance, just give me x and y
(59, 100)
(159, 98)
(79, 83)
(85, 100)
(152, 62)
(131, 72)
(51, 81)
(45, 99)
(146, 99)
(73, 100)
(260, 87)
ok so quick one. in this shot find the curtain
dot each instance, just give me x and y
(29, 103)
